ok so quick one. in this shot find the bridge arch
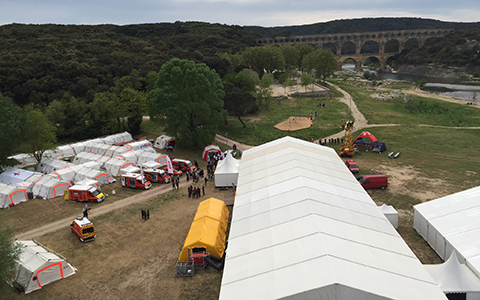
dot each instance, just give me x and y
(385, 41)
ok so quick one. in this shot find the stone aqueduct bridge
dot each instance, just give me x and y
(340, 42)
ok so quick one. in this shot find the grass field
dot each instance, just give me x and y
(132, 259)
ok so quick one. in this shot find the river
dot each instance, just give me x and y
(453, 87)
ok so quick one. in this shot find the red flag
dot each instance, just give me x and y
(169, 166)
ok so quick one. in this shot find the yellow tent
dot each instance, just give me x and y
(214, 209)
(208, 230)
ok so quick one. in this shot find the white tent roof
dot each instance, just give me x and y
(13, 176)
(304, 228)
(48, 165)
(452, 276)
(115, 166)
(139, 144)
(452, 223)
(38, 266)
(228, 165)
(25, 159)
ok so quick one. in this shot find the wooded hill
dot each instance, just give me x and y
(43, 63)
(361, 25)
(38, 63)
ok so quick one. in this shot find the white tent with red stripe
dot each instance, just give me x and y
(11, 195)
(38, 266)
(210, 149)
(49, 187)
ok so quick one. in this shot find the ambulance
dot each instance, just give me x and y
(183, 165)
(84, 229)
(156, 175)
(83, 193)
(135, 181)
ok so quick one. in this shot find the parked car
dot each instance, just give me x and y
(374, 181)
(352, 166)
(175, 172)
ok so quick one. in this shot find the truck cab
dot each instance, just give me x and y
(373, 181)
(81, 193)
(84, 229)
(135, 181)
(156, 175)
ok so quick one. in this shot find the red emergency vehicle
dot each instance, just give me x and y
(84, 229)
(135, 181)
(183, 165)
(81, 193)
(156, 175)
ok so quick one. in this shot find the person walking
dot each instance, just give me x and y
(143, 214)
(203, 190)
(147, 216)
(173, 183)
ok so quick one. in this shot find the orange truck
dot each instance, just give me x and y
(84, 229)
(83, 193)
(135, 181)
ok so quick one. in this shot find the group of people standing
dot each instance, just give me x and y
(175, 181)
(194, 192)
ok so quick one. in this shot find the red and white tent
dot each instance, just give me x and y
(210, 148)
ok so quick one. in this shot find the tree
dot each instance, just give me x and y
(322, 61)
(239, 97)
(264, 91)
(264, 58)
(306, 79)
(12, 127)
(288, 83)
(9, 254)
(291, 55)
(134, 107)
(188, 102)
(40, 134)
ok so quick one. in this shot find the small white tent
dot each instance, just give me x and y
(162, 141)
(226, 173)
(455, 278)
(11, 195)
(38, 266)
(391, 214)
(24, 159)
(49, 187)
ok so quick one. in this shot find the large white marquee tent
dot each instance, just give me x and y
(452, 223)
(303, 228)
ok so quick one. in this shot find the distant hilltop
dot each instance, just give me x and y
(360, 25)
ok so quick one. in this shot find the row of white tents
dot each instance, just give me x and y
(70, 150)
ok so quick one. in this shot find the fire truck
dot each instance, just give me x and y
(81, 193)
(135, 181)
(84, 229)
(156, 175)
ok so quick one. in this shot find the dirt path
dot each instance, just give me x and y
(65, 222)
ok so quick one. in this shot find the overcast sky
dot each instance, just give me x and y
(232, 12)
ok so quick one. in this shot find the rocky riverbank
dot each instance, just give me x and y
(434, 71)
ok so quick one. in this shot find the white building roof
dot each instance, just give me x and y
(452, 223)
(304, 228)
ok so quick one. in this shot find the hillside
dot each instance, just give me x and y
(38, 63)
(361, 25)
